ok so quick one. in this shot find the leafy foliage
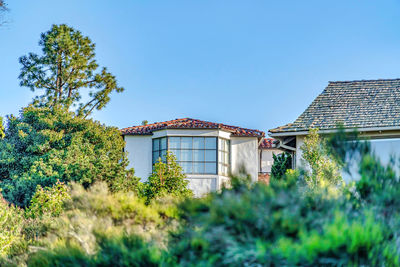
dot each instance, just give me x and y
(97, 210)
(124, 250)
(282, 162)
(101, 228)
(283, 224)
(287, 223)
(66, 67)
(49, 201)
(324, 168)
(167, 179)
(47, 145)
(11, 224)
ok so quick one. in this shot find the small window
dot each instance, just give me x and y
(223, 156)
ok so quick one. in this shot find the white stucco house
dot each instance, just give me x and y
(207, 151)
(372, 107)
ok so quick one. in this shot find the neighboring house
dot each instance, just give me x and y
(370, 106)
(267, 148)
(207, 151)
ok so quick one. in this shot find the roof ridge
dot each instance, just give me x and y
(368, 80)
(190, 123)
(376, 105)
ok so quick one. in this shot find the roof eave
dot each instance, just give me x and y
(262, 134)
(327, 131)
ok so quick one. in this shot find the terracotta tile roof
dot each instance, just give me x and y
(268, 143)
(355, 104)
(188, 123)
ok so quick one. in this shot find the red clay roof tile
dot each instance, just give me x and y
(267, 143)
(188, 123)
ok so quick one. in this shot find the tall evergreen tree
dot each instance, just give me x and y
(66, 67)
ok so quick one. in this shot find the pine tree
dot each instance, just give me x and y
(67, 66)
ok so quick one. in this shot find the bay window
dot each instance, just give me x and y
(196, 155)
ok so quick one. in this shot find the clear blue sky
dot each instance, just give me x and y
(255, 64)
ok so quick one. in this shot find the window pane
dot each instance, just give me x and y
(198, 142)
(156, 144)
(156, 155)
(211, 168)
(163, 143)
(186, 166)
(211, 155)
(163, 154)
(174, 142)
(186, 155)
(226, 160)
(176, 153)
(220, 156)
(226, 145)
(198, 167)
(211, 143)
(186, 142)
(198, 155)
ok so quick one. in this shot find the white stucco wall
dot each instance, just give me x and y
(299, 152)
(202, 184)
(244, 152)
(138, 149)
(267, 160)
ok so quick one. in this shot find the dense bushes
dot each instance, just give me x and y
(11, 228)
(96, 227)
(284, 224)
(124, 250)
(97, 210)
(45, 145)
(294, 221)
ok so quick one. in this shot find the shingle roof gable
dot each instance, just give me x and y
(355, 104)
(188, 123)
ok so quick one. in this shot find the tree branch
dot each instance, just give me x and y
(38, 78)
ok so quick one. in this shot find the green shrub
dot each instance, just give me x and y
(48, 201)
(167, 179)
(324, 169)
(97, 210)
(69, 255)
(284, 224)
(11, 225)
(45, 145)
(124, 250)
(282, 163)
(102, 228)
(341, 242)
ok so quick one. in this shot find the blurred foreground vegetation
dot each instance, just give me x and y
(308, 217)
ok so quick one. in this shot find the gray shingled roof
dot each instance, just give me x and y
(355, 104)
